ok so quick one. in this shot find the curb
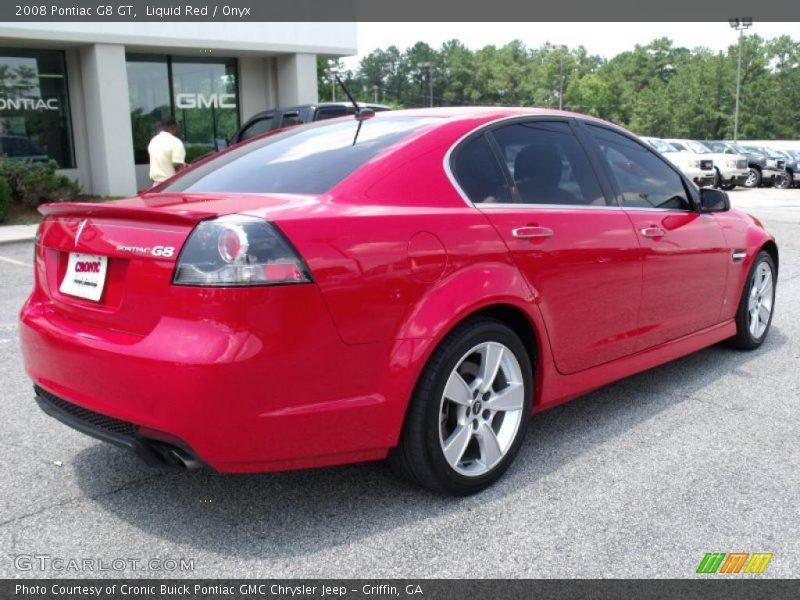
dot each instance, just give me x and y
(17, 233)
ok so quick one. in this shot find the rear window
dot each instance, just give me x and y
(303, 160)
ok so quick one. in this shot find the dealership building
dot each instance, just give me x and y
(89, 95)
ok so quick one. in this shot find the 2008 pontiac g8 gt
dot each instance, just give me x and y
(410, 285)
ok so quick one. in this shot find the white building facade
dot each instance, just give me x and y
(89, 95)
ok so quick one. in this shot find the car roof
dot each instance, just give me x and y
(484, 113)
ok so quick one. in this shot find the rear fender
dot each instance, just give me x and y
(440, 310)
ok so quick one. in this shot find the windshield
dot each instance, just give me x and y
(697, 147)
(661, 145)
(741, 149)
(309, 159)
(717, 146)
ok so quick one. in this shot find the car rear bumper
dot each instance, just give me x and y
(154, 451)
(273, 390)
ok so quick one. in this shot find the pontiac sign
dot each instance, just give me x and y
(29, 104)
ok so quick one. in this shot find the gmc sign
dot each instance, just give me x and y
(188, 100)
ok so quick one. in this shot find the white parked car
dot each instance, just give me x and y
(730, 169)
(700, 170)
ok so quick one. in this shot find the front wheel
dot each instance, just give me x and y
(754, 315)
(753, 179)
(469, 412)
(783, 181)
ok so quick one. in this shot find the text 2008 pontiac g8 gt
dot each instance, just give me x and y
(411, 286)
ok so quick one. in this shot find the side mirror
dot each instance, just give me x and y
(712, 200)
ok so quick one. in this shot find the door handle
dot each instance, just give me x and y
(531, 232)
(653, 232)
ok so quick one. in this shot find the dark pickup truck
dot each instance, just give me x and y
(279, 118)
(763, 169)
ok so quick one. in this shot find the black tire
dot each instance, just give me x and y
(744, 339)
(419, 456)
(783, 181)
(754, 179)
(717, 178)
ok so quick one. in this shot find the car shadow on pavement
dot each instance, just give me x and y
(285, 515)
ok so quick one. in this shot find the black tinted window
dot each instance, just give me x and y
(303, 160)
(290, 118)
(479, 174)
(643, 179)
(547, 164)
(256, 128)
(330, 112)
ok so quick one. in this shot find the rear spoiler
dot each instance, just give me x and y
(133, 213)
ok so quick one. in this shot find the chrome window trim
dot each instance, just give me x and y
(446, 163)
(508, 205)
(511, 205)
(502, 205)
(538, 117)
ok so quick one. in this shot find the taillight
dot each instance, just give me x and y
(235, 250)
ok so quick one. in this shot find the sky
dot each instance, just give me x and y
(605, 39)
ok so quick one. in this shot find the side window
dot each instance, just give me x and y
(680, 146)
(330, 112)
(547, 164)
(290, 118)
(477, 171)
(643, 179)
(256, 128)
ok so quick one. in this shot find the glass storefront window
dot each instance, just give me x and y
(34, 106)
(201, 93)
(148, 88)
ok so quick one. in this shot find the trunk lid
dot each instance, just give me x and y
(141, 239)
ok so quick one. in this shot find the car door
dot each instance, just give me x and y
(684, 252)
(575, 247)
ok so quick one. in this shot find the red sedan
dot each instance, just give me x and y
(411, 285)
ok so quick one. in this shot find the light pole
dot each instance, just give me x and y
(332, 71)
(375, 93)
(561, 49)
(740, 25)
(428, 65)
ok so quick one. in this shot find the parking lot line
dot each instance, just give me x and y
(13, 261)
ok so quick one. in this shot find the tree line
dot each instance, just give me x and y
(656, 89)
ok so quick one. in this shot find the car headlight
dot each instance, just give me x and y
(693, 164)
(234, 251)
(771, 162)
(730, 164)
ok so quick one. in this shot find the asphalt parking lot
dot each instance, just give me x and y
(638, 479)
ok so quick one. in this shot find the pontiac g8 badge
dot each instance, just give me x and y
(164, 251)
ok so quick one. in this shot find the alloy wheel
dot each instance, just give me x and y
(760, 300)
(783, 181)
(753, 179)
(481, 409)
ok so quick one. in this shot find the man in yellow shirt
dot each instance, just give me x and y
(167, 154)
